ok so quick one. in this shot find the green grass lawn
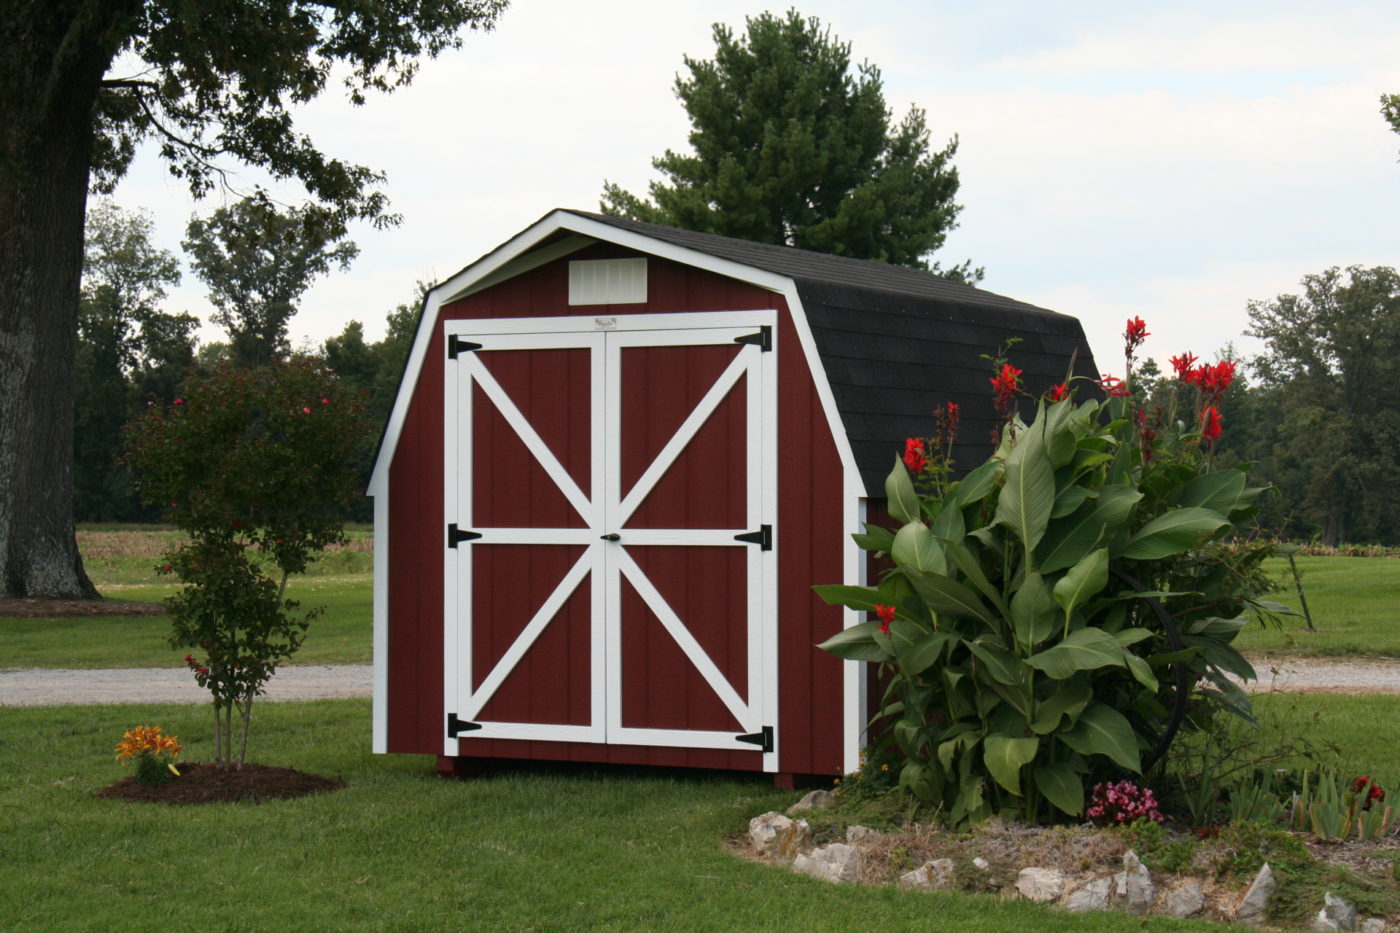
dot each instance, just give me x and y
(342, 635)
(540, 849)
(1355, 604)
(121, 561)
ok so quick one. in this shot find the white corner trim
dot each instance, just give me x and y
(427, 319)
(854, 674)
(380, 705)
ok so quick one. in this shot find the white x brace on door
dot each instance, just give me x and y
(611, 508)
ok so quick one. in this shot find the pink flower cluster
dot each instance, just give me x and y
(1123, 802)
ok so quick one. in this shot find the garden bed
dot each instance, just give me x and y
(201, 782)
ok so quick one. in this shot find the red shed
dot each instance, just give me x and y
(620, 456)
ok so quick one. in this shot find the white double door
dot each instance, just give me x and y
(611, 510)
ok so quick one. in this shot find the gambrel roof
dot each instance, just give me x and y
(894, 343)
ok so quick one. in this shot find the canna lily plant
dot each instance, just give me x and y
(1059, 612)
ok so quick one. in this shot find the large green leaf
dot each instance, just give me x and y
(1218, 491)
(900, 498)
(1069, 499)
(1173, 533)
(856, 597)
(1069, 700)
(1060, 785)
(947, 596)
(967, 564)
(1102, 730)
(975, 485)
(915, 546)
(856, 643)
(924, 653)
(1083, 581)
(1028, 495)
(949, 524)
(999, 664)
(1033, 612)
(1068, 539)
(1006, 755)
(1085, 649)
(1142, 671)
(875, 539)
(1059, 439)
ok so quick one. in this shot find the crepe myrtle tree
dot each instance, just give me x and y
(256, 467)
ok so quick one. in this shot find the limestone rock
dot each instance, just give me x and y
(1255, 901)
(1373, 925)
(1336, 915)
(981, 864)
(777, 836)
(1041, 885)
(1091, 896)
(815, 800)
(1133, 885)
(937, 873)
(834, 862)
(1184, 900)
(857, 834)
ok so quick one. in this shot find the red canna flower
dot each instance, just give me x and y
(1182, 364)
(886, 614)
(1113, 386)
(1004, 385)
(1060, 392)
(1135, 334)
(914, 457)
(1210, 425)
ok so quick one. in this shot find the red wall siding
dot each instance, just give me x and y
(809, 534)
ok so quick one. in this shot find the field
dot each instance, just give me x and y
(1355, 605)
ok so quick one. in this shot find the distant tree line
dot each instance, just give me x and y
(257, 259)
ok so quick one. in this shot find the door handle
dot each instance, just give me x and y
(612, 537)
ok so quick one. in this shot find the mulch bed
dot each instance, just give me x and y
(203, 783)
(74, 608)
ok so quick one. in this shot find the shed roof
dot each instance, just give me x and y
(896, 342)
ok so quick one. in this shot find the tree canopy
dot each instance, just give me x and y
(1331, 361)
(790, 147)
(258, 260)
(214, 83)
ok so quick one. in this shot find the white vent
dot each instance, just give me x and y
(607, 281)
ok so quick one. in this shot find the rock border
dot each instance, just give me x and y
(781, 839)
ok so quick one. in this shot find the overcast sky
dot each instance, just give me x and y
(1168, 161)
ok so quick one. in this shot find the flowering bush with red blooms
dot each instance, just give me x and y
(1122, 802)
(257, 478)
(1050, 618)
(930, 459)
(1375, 793)
(914, 457)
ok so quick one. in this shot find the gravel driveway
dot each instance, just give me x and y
(36, 687)
(45, 687)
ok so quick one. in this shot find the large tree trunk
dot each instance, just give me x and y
(56, 53)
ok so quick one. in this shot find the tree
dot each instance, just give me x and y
(128, 350)
(1390, 109)
(1335, 350)
(255, 466)
(790, 148)
(209, 81)
(258, 261)
(375, 370)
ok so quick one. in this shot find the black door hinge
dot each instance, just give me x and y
(764, 739)
(763, 339)
(763, 537)
(456, 344)
(455, 725)
(454, 536)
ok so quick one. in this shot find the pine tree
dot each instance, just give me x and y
(792, 148)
